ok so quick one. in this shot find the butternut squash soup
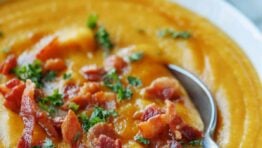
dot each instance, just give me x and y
(91, 73)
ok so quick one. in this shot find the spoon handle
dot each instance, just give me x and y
(208, 142)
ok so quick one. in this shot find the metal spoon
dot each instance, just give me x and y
(202, 99)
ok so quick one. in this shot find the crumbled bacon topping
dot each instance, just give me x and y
(8, 65)
(163, 88)
(55, 64)
(71, 129)
(115, 62)
(93, 73)
(103, 135)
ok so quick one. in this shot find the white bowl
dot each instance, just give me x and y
(233, 23)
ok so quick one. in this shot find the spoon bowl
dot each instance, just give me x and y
(202, 99)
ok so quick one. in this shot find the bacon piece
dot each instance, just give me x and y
(82, 100)
(46, 124)
(71, 129)
(115, 62)
(8, 65)
(163, 88)
(150, 111)
(93, 73)
(153, 127)
(70, 91)
(104, 141)
(31, 114)
(105, 99)
(55, 64)
(49, 48)
(28, 111)
(13, 97)
(12, 83)
(180, 130)
(190, 133)
(102, 135)
(90, 87)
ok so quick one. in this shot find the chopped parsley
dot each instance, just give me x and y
(103, 39)
(92, 21)
(197, 142)
(174, 34)
(6, 49)
(112, 81)
(48, 144)
(31, 71)
(136, 56)
(76, 137)
(50, 76)
(134, 81)
(141, 139)
(73, 106)
(50, 103)
(67, 76)
(98, 115)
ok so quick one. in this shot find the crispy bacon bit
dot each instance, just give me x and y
(46, 124)
(153, 127)
(82, 100)
(92, 73)
(55, 64)
(150, 111)
(163, 88)
(8, 65)
(31, 114)
(190, 133)
(105, 99)
(115, 62)
(48, 48)
(90, 87)
(106, 142)
(70, 91)
(180, 130)
(12, 83)
(13, 97)
(28, 111)
(102, 135)
(71, 129)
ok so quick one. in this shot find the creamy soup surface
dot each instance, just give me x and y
(91, 73)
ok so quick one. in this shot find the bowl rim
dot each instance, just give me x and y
(232, 22)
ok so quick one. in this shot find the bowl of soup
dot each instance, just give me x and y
(91, 73)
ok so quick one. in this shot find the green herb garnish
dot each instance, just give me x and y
(50, 76)
(31, 71)
(76, 137)
(73, 106)
(197, 142)
(141, 139)
(50, 103)
(136, 56)
(6, 49)
(48, 144)
(67, 76)
(92, 21)
(98, 115)
(112, 81)
(134, 81)
(103, 39)
(174, 34)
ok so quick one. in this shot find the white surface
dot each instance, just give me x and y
(251, 8)
(233, 23)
